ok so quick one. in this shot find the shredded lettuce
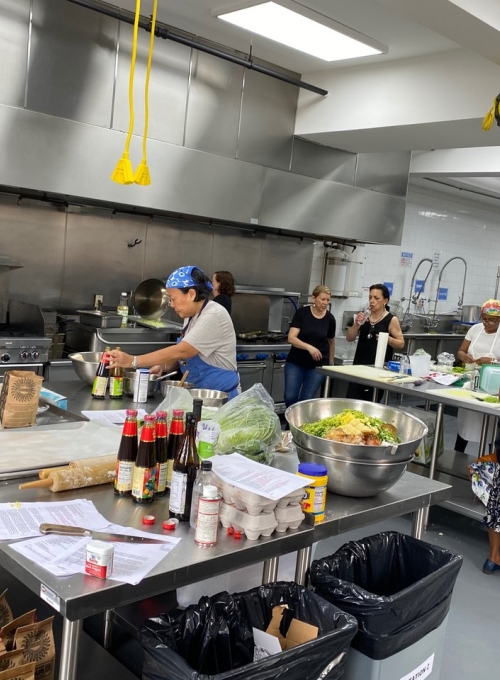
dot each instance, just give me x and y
(321, 427)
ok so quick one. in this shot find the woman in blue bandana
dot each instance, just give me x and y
(207, 348)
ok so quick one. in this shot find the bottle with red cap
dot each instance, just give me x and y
(161, 453)
(127, 454)
(174, 440)
(143, 481)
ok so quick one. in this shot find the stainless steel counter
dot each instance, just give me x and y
(79, 596)
(448, 469)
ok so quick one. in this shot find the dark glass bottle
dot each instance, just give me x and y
(127, 454)
(174, 440)
(100, 384)
(186, 465)
(143, 481)
(197, 405)
(161, 453)
(116, 382)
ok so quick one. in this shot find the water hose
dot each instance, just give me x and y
(142, 175)
(123, 173)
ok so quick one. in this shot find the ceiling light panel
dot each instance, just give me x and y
(301, 29)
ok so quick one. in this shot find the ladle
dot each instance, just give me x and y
(167, 375)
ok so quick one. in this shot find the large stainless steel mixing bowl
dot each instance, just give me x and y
(410, 430)
(85, 365)
(130, 379)
(356, 478)
(214, 398)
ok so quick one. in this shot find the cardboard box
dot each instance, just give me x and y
(298, 632)
(19, 398)
(54, 398)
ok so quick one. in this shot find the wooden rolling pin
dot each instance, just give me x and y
(108, 460)
(73, 478)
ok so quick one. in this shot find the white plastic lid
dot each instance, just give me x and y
(100, 547)
(210, 491)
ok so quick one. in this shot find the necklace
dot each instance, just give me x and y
(372, 333)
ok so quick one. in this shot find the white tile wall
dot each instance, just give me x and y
(432, 222)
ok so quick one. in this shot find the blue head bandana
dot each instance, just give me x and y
(182, 278)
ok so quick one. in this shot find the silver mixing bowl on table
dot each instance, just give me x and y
(357, 470)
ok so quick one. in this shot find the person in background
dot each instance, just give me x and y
(492, 518)
(378, 320)
(223, 283)
(481, 346)
(312, 337)
(207, 346)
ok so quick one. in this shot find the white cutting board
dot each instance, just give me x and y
(49, 445)
(368, 372)
(461, 394)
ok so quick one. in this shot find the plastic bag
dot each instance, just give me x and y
(214, 640)
(398, 588)
(249, 425)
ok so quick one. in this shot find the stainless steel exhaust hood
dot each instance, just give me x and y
(10, 263)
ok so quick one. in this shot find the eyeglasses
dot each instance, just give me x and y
(493, 319)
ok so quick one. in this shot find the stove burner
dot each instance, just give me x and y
(260, 338)
(19, 347)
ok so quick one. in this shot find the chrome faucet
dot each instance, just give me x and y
(461, 298)
(413, 298)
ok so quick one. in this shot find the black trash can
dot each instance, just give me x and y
(399, 589)
(213, 640)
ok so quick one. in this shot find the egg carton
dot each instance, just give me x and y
(289, 517)
(293, 498)
(253, 526)
(253, 503)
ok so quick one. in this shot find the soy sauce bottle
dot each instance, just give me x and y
(143, 481)
(127, 454)
(174, 440)
(186, 465)
(100, 384)
(161, 453)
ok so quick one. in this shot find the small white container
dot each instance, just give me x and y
(99, 559)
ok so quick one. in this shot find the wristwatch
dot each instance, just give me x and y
(135, 362)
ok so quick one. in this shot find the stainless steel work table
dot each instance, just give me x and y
(80, 596)
(427, 391)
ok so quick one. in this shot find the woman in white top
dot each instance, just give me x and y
(480, 346)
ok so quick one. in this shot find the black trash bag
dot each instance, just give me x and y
(397, 587)
(213, 640)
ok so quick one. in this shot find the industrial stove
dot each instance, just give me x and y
(22, 350)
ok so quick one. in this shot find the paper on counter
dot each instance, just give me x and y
(111, 417)
(21, 520)
(65, 555)
(444, 378)
(251, 476)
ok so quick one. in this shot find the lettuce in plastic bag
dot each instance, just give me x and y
(249, 425)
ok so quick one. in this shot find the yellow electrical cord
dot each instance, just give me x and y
(123, 173)
(142, 175)
(493, 113)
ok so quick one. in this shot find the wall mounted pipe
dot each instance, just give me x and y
(166, 33)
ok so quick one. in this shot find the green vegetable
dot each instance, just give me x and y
(492, 400)
(247, 430)
(321, 427)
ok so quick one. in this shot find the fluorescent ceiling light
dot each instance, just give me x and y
(301, 30)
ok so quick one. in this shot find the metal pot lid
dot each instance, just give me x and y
(150, 299)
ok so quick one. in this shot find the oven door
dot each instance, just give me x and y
(278, 385)
(251, 372)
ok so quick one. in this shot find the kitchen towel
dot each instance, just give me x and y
(382, 341)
